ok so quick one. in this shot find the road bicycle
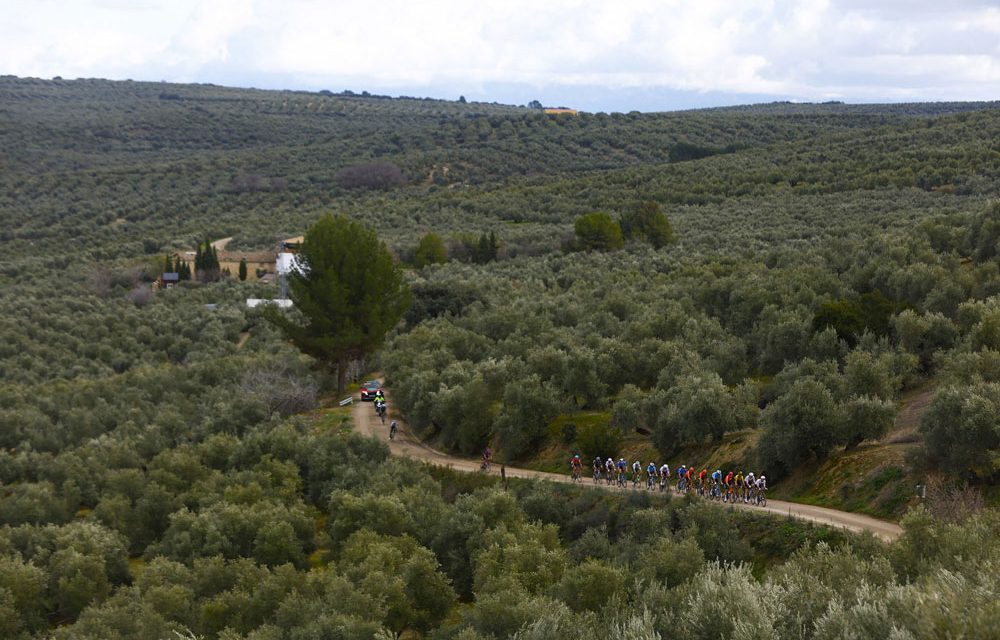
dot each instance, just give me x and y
(714, 493)
(761, 498)
(597, 476)
(649, 482)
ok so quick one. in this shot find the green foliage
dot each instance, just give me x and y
(598, 438)
(590, 586)
(872, 312)
(647, 222)
(133, 426)
(800, 424)
(526, 408)
(598, 232)
(695, 407)
(349, 293)
(430, 250)
(961, 428)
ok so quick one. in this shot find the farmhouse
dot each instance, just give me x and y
(169, 279)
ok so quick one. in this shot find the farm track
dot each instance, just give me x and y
(406, 444)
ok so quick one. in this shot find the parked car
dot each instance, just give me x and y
(369, 389)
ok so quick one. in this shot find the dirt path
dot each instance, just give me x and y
(408, 445)
(221, 243)
(912, 407)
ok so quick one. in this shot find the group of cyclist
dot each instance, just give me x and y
(731, 487)
(382, 410)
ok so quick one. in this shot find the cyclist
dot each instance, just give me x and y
(622, 469)
(761, 487)
(702, 482)
(650, 474)
(576, 466)
(609, 467)
(598, 465)
(728, 481)
(681, 475)
(738, 484)
(392, 429)
(487, 458)
(636, 470)
(750, 482)
(716, 483)
(664, 476)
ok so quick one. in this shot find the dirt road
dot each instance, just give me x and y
(408, 445)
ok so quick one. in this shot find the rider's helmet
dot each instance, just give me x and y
(763, 477)
(719, 471)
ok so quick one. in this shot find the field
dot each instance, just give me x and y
(806, 290)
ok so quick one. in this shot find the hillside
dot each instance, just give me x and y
(169, 463)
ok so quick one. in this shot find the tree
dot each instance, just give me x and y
(430, 250)
(960, 428)
(486, 249)
(865, 418)
(803, 422)
(597, 231)
(349, 294)
(647, 222)
(243, 269)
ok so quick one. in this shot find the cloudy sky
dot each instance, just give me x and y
(598, 55)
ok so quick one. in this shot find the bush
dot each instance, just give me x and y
(569, 433)
(597, 438)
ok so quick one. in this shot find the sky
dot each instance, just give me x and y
(595, 55)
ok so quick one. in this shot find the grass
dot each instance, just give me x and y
(554, 454)
(336, 419)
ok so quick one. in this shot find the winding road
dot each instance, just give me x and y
(408, 445)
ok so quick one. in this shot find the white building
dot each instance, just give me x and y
(283, 303)
(286, 263)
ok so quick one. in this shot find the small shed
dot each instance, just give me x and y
(169, 279)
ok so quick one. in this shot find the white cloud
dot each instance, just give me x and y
(811, 49)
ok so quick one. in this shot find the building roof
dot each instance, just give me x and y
(171, 276)
(252, 257)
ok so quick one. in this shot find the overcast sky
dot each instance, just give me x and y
(598, 55)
